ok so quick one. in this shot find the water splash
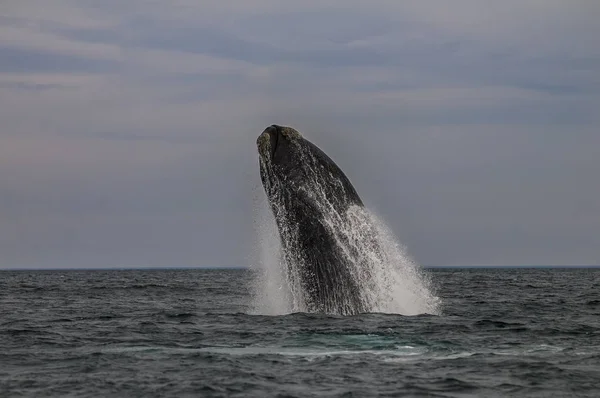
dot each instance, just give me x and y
(390, 280)
(271, 292)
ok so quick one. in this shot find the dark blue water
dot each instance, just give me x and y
(178, 333)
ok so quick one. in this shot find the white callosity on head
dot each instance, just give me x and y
(290, 133)
(264, 144)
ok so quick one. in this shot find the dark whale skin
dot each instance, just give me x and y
(306, 190)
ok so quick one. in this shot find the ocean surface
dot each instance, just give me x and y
(178, 333)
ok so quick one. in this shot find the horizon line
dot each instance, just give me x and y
(143, 268)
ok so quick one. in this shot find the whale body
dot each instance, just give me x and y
(312, 200)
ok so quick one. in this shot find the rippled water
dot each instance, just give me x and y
(504, 332)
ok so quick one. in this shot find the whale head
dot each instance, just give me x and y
(278, 144)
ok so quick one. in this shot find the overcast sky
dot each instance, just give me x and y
(128, 127)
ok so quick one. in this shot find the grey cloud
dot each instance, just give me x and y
(30, 61)
(437, 56)
(33, 86)
(124, 136)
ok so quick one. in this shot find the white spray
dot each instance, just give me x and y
(391, 280)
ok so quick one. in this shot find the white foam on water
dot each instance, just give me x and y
(308, 352)
(534, 349)
(432, 357)
(316, 352)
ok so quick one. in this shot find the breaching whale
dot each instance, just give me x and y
(311, 198)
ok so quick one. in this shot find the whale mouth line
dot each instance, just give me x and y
(274, 136)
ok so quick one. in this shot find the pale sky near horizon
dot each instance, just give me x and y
(128, 128)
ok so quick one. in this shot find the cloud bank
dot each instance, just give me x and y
(128, 127)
